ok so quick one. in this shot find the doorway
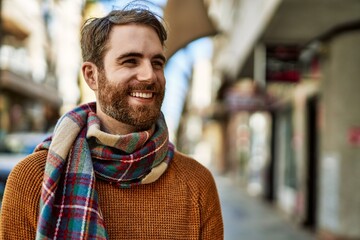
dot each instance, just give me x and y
(312, 164)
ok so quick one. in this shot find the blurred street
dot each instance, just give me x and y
(246, 217)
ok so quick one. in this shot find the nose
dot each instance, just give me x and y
(146, 71)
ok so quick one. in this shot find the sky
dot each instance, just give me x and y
(178, 72)
(111, 4)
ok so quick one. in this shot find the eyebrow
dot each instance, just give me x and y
(160, 56)
(140, 55)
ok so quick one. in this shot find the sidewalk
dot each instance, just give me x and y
(246, 217)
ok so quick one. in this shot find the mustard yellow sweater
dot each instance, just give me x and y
(182, 204)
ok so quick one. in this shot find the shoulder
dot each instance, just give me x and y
(22, 186)
(191, 172)
(188, 165)
(31, 167)
(28, 173)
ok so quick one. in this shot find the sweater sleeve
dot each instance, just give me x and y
(20, 206)
(211, 218)
(204, 193)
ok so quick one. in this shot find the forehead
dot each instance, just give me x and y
(134, 37)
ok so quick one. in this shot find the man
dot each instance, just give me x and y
(109, 170)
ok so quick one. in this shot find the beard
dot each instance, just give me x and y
(114, 102)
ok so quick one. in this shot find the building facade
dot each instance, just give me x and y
(39, 64)
(286, 75)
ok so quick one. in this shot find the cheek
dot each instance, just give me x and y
(114, 84)
(116, 74)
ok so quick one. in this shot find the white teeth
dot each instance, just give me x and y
(141, 95)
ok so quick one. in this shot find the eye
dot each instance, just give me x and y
(158, 64)
(130, 61)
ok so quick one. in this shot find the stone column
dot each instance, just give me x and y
(339, 185)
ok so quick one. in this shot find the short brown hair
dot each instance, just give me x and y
(95, 31)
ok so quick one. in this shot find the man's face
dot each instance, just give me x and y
(132, 84)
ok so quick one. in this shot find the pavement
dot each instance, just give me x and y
(249, 218)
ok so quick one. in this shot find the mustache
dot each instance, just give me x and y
(144, 86)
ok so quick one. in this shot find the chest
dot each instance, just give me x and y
(161, 210)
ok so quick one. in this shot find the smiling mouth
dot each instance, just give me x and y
(142, 95)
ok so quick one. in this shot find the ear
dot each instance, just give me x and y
(90, 73)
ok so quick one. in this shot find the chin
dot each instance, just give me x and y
(146, 124)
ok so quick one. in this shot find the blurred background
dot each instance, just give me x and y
(265, 93)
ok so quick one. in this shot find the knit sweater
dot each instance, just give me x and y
(182, 204)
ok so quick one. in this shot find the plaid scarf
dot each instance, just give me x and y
(77, 152)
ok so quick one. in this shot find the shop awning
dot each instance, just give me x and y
(246, 95)
(187, 20)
